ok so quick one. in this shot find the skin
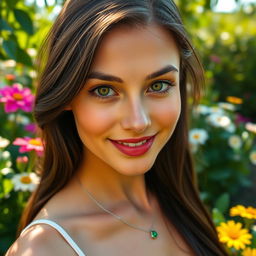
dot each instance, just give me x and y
(134, 108)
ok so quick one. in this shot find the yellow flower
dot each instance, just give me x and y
(245, 212)
(249, 252)
(237, 210)
(234, 100)
(233, 235)
(249, 213)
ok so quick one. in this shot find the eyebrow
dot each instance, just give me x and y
(111, 78)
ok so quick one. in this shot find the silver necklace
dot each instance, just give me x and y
(153, 233)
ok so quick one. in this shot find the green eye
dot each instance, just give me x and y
(157, 86)
(103, 91)
(161, 86)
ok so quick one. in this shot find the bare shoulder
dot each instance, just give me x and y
(40, 240)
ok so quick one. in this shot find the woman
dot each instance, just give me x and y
(117, 176)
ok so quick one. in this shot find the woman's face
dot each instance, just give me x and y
(132, 92)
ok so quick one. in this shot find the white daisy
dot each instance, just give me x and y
(216, 110)
(198, 136)
(4, 142)
(25, 181)
(218, 120)
(202, 109)
(5, 155)
(6, 170)
(19, 119)
(227, 106)
(252, 157)
(235, 142)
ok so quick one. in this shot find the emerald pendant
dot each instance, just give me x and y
(153, 234)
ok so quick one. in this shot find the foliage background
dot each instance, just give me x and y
(227, 45)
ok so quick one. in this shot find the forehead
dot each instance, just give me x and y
(136, 50)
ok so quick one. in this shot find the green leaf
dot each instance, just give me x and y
(8, 186)
(5, 26)
(24, 20)
(222, 203)
(23, 57)
(217, 216)
(11, 3)
(10, 47)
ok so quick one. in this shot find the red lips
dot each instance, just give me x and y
(134, 140)
(134, 150)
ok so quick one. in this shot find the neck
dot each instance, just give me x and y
(112, 188)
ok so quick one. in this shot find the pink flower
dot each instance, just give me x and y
(15, 97)
(215, 59)
(22, 159)
(242, 119)
(30, 127)
(28, 144)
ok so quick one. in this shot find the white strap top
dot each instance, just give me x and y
(65, 235)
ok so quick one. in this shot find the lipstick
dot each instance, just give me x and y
(134, 150)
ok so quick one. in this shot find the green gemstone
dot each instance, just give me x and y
(153, 234)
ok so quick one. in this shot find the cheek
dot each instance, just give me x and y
(167, 113)
(92, 119)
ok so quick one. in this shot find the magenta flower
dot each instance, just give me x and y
(30, 127)
(15, 97)
(28, 144)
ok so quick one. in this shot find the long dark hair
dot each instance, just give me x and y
(65, 61)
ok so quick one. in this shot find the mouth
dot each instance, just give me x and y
(134, 146)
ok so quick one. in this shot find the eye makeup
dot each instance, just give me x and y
(166, 84)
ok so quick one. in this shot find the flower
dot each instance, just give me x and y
(21, 162)
(235, 142)
(216, 110)
(22, 159)
(9, 63)
(30, 127)
(6, 170)
(219, 120)
(245, 212)
(18, 119)
(15, 97)
(4, 142)
(10, 77)
(252, 157)
(32, 52)
(25, 181)
(249, 252)
(233, 235)
(198, 136)
(251, 127)
(237, 210)
(28, 144)
(234, 100)
(5, 155)
(230, 128)
(202, 109)
(227, 106)
(215, 59)
(249, 213)
(241, 119)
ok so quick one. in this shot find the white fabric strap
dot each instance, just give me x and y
(61, 231)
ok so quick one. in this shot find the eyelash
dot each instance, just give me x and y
(168, 82)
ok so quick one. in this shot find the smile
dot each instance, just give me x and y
(134, 147)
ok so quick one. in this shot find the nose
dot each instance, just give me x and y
(135, 117)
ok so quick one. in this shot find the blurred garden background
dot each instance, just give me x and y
(223, 125)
